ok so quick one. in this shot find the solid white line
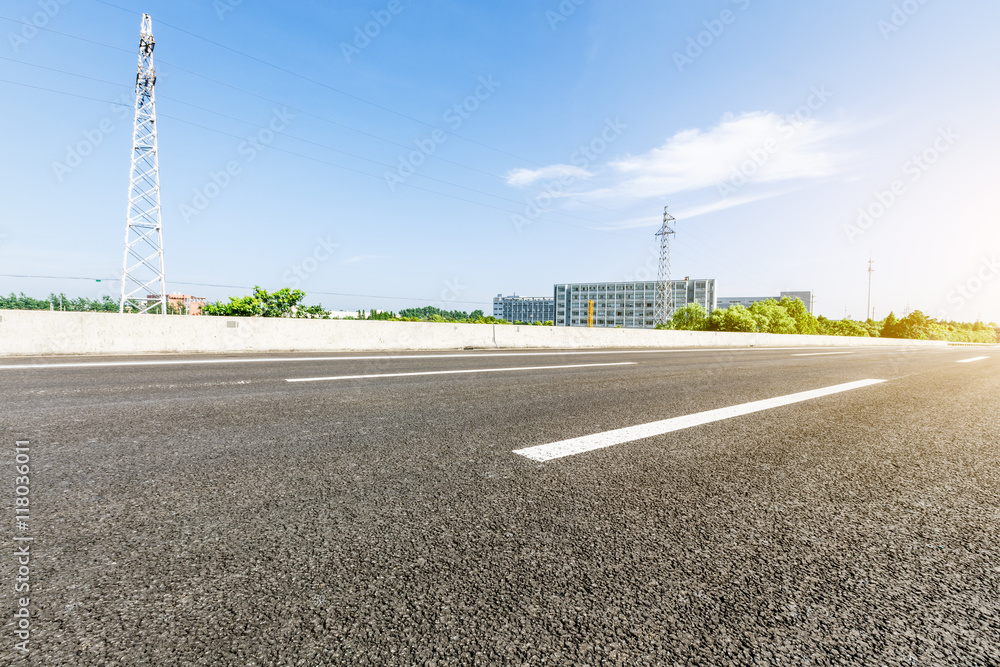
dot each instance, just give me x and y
(556, 450)
(468, 370)
(258, 360)
(969, 361)
(819, 354)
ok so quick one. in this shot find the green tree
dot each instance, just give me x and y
(692, 317)
(805, 322)
(283, 303)
(890, 326)
(734, 318)
(426, 312)
(841, 328)
(772, 317)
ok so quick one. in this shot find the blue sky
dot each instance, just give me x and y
(460, 150)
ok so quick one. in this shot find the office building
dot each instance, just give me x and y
(747, 301)
(523, 308)
(185, 304)
(627, 304)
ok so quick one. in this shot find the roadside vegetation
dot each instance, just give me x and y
(790, 316)
(433, 314)
(288, 303)
(58, 302)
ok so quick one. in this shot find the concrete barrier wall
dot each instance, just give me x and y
(25, 333)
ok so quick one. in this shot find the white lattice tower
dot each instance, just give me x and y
(664, 305)
(143, 286)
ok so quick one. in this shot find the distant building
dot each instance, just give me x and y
(628, 304)
(183, 303)
(524, 308)
(747, 301)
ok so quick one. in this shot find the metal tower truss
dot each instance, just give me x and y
(664, 306)
(143, 285)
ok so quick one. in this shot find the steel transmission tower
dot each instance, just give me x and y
(871, 270)
(664, 295)
(143, 284)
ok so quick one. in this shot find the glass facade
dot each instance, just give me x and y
(524, 308)
(629, 304)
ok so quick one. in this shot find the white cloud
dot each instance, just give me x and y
(688, 212)
(763, 146)
(522, 177)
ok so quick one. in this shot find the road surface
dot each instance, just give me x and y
(754, 506)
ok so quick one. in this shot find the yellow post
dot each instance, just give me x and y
(590, 313)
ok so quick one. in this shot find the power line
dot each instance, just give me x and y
(66, 34)
(324, 85)
(18, 275)
(346, 168)
(711, 248)
(245, 287)
(321, 118)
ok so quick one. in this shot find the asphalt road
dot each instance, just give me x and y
(218, 514)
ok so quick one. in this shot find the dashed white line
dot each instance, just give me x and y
(556, 450)
(969, 361)
(466, 355)
(819, 354)
(455, 372)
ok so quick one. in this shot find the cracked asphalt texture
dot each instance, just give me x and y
(219, 515)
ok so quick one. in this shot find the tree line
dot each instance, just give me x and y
(58, 302)
(790, 316)
(787, 316)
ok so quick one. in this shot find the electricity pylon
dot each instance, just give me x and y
(664, 305)
(143, 284)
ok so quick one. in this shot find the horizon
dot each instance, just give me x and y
(431, 164)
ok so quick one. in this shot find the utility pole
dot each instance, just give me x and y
(143, 284)
(869, 312)
(664, 301)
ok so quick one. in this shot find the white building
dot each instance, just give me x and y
(747, 301)
(524, 308)
(628, 304)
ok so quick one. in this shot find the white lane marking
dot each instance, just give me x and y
(819, 354)
(257, 360)
(969, 361)
(454, 372)
(556, 450)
